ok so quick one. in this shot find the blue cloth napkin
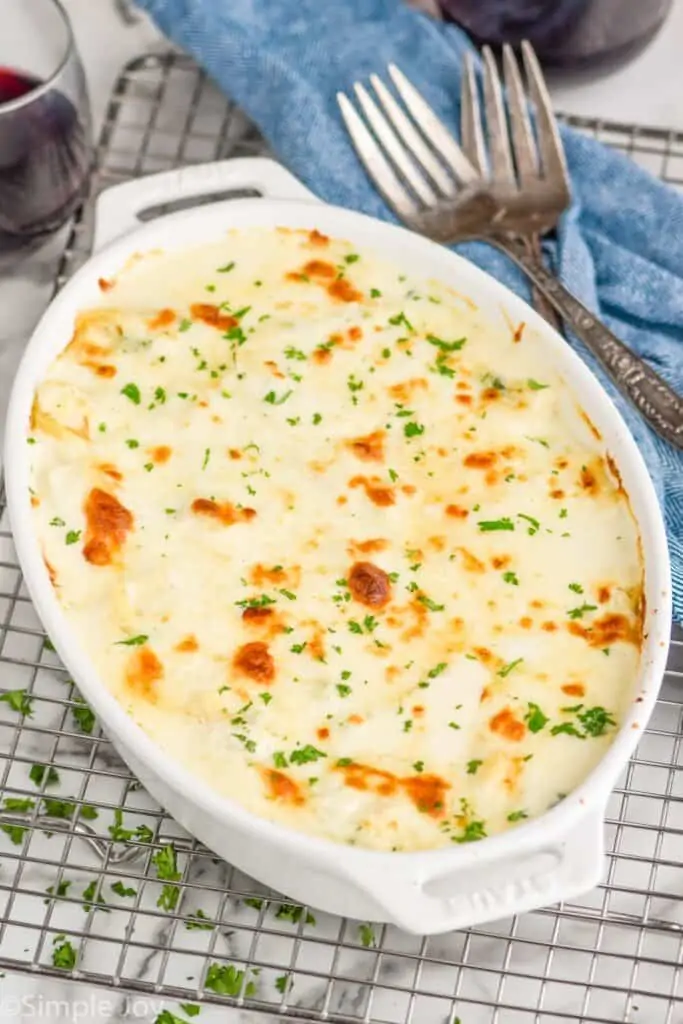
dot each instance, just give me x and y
(620, 247)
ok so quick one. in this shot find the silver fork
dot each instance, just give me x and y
(499, 167)
(429, 182)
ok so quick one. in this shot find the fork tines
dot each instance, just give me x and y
(416, 163)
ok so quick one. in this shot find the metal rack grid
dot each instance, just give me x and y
(613, 956)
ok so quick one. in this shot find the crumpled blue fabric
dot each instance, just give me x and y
(620, 247)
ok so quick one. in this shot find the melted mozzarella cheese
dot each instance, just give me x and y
(345, 548)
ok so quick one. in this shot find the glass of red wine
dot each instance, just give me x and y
(45, 140)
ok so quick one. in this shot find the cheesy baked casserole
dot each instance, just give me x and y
(344, 548)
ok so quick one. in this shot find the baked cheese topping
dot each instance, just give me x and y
(344, 547)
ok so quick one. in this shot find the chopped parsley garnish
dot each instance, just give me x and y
(266, 698)
(92, 899)
(160, 396)
(576, 587)
(393, 475)
(305, 754)
(517, 815)
(535, 718)
(437, 670)
(60, 890)
(58, 808)
(352, 257)
(535, 385)
(279, 759)
(567, 727)
(401, 320)
(563, 513)
(19, 700)
(441, 366)
(283, 982)
(534, 525)
(16, 833)
(255, 602)
(38, 773)
(200, 922)
(596, 721)
(166, 862)
(428, 603)
(295, 353)
(419, 766)
(507, 669)
(293, 912)
(343, 762)
(366, 934)
(185, 324)
(73, 536)
(489, 525)
(413, 429)
(287, 593)
(511, 577)
(317, 418)
(343, 690)
(207, 456)
(132, 391)
(57, 522)
(133, 641)
(578, 613)
(273, 399)
(473, 767)
(235, 334)
(375, 293)
(226, 269)
(132, 443)
(446, 346)
(168, 897)
(123, 890)
(354, 385)
(63, 955)
(472, 832)
(298, 648)
(83, 716)
(21, 805)
(225, 979)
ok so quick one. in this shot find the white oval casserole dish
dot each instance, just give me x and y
(554, 857)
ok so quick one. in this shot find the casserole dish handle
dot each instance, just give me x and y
(484, 891)
(123, 208)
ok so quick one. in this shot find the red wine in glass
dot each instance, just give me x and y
(45, 156)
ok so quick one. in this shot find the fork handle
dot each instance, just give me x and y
(651, 395)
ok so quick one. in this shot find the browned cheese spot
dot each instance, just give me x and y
(281, 786)
(225, 512)
(378, 492)
(143, 672)
(213, 316)
(255, 661)
(369, 585)
(164, 318)
(369, 448)
(107, 524)
(505, 724)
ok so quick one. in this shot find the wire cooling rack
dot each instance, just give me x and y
(98, 884)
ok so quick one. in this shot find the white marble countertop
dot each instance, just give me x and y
(647, 91)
